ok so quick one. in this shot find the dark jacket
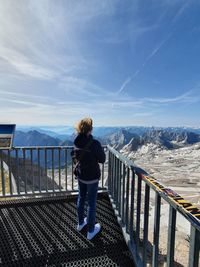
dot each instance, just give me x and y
(89, 153)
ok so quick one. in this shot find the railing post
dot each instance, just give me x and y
(102, 176)
(132, 204)
(52, 156)
(194, 247)
(123, 190)
(138, 213)
(171, 237)
(65, 168)
(120, 189)
(39, 170)
(72, 183)
(110, 174)
(115, 180)
(127, 199)
(146, 224)
(17, 170)
(156, 232)
(59, 169)
(9, 173)
(2, 174)
(109, 170)
(24, 169)
(117, 184)
(45, 168)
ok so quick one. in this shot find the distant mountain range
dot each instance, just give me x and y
(122, 139)
(115, 136)
(164, 138)
(67, 132)
(36, 138)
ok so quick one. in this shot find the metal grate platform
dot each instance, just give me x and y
(42, 232)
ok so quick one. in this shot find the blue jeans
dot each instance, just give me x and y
(91, 189)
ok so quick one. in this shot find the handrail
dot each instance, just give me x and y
(46, 170)
(38, 171)
(123, 175)
(42, 147)
(170, 196)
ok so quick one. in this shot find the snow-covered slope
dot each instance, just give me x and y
(178, 169)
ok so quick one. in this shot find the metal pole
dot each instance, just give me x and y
(39, 170)
(171, 237)
(45, 168)
(9, 172)
(127, 199)
(52, 155)
(146, 224)
(156, 232)
(2, 174)
(59, 169)
(123, 191)
(24, 168)
(17, 170)
(194, 247)
(65, 168)
(132, 205)
(138, 214)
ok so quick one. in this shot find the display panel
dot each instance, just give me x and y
(6, 135)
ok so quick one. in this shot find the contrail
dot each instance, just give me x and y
(128, 80)
(154, 52)
(148, 58)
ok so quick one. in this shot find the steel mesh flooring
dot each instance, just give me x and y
(42, 232)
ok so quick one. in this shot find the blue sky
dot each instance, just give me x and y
(119, 62)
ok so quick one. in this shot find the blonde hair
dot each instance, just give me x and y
(84, 126)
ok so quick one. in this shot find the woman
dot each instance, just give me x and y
(88, 153)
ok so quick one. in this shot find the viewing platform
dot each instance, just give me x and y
(42, 232)
(38, 194)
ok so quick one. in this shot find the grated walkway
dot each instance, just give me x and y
(42, 232)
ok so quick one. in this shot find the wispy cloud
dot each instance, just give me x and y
(41, 40)
(60, 60)
(188, 98)
(19, 94)
(76, 87)
(129, 32)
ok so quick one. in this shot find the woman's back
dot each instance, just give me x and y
(89, 153)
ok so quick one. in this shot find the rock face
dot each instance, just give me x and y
(166, 139)
(121, 138)
(133, 144)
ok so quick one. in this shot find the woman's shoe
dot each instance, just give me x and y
(97, 229)
(80, 226)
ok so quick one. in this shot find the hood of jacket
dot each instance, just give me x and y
(81, 140)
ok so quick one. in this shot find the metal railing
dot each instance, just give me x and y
(29, 171)
(37, 171)
(129, 189)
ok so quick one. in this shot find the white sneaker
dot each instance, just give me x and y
(97, 228)
(80, 226)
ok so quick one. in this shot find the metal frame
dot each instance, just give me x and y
(30, 165)
(39, 171)
(132, 222)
